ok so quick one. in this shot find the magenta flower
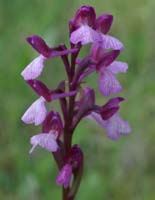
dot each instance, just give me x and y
(36, 113)
(52, 129)
(108, 118)
(91, 30)
(115, 126)
(108, 69)
(35, 68)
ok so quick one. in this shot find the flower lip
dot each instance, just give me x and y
(103, 23)
(117, 127)
(44, 140)
(108, 83)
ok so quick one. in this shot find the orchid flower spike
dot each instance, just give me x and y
(77, 100)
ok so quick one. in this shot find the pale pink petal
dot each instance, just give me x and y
(40, 112)
(45, 140)
(34, 69)
(116, 127)
(118, 67)
(36, 113)
(109, 42)
(85, 35)
(108, 84)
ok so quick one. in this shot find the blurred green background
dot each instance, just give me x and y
(113, 170)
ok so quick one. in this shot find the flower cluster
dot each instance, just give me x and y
(77, 102)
